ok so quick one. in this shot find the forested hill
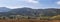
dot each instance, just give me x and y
(4, 9)
(32, 12)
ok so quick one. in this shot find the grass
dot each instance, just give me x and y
(20, 20)
(28, 20)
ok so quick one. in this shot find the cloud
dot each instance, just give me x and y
(58, 2)
(32, 1)
(19, 3)
(29, 3)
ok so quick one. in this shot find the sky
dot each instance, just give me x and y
(35, 4)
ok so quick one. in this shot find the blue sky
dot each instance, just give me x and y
(36, 4)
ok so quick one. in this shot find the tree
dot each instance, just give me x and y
(3, 17)
(12, 17)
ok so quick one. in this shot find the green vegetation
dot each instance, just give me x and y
(28, 13)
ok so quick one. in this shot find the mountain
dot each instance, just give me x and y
(22, 11)
(4, 9)
(50, 12)
(32, 12)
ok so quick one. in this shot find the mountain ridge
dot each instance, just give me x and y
(32, 12)
(4, 9)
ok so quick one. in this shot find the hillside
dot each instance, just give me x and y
(4, 9)
(32, 12)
